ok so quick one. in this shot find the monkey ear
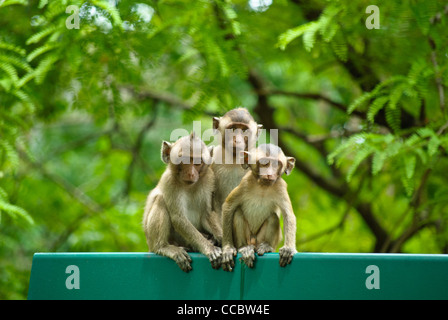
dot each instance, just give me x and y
(216, 123)
(290, 162)
(246, 157)
(166, 151)
(259, 128)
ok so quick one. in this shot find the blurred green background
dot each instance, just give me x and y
(83, 112)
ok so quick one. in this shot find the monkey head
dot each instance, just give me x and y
(268, 163)
(188, 158)
(238, 130)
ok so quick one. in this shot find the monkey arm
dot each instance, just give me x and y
(188, 231)
(287, 252)
(228, 212)
(212, 224)
(289, 222)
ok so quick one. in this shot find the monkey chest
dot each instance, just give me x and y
(228, 178)
(256, 210)
(195, 208)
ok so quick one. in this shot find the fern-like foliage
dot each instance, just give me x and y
(327, 27)
(392, 92)
(405, 155)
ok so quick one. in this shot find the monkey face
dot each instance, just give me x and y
(236, 137)
(268, 170)
(238, 131)
(268, 163)
(188, 158)
(189, 173)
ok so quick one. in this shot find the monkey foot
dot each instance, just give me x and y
(263, 248)
(286, 255)
(248, 255)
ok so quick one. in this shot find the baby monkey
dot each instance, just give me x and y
(251, 221)
(178, 212)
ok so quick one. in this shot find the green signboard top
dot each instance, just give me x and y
(309, 276)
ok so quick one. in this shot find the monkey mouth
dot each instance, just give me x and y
(266, 182)
(189, 182)
(237, 149)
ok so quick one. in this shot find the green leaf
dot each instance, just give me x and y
(393, 117)
(433, 145)
(40, 35)
(360, 156)
(409, 162)
(359, 101)
(15, 211)
(113, 11)
(348, 144)
(291, 34)
(13, 2)
(35, 53)
(375, 107)
(11, 47)
(309, 37)
(379, 157)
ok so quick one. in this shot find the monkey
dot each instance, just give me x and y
(250, 214)
(178, 211)
(238, 132)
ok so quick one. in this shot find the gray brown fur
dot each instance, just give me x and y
(251, 221)
(177, 214)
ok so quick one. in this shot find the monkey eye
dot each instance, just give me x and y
(263, 161)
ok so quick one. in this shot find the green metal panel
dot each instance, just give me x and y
(344, 276)
(129, 276)
(310, 276)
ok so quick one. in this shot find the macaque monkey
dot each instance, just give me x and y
(178, 212)
(251, 221)
(238, 132)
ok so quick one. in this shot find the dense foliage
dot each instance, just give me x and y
(83, 112)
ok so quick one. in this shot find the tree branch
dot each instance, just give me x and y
(136, 152)
(315, 96)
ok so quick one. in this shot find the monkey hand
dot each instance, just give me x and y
(248, 255)
(215, 257)
(227, 258)
(286, 255)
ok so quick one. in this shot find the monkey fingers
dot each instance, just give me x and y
(215, 257)
(227, 258)
(183, 260)
(263, 248)
(286, 255)
(248, 255)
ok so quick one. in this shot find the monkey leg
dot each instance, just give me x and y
(241, 232)
(159, 234)
(269, 235)
(240, 238)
